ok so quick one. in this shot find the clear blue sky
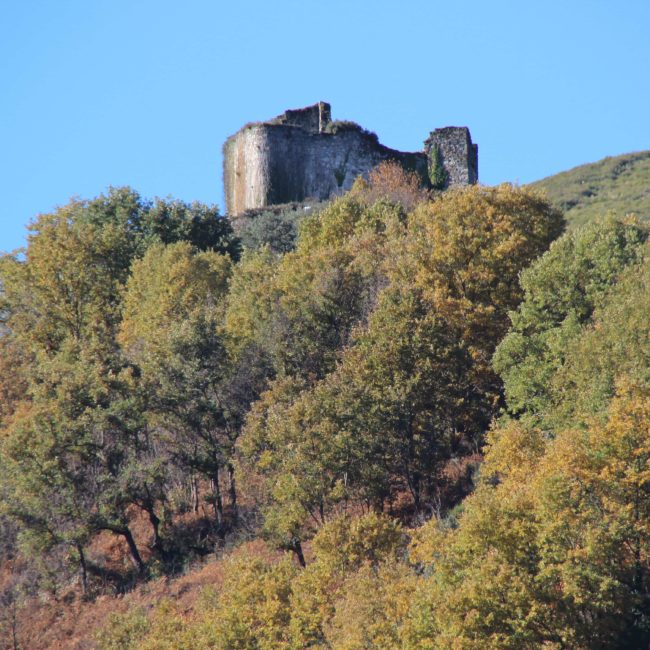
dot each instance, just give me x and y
(143, 92)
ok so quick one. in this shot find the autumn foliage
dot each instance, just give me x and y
(164, 390)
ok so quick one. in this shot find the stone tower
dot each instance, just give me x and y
(454, 148)
(303, 155)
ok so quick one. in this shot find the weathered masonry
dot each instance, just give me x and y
(303, 154)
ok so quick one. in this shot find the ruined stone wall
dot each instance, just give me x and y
(458, 155)
(319, 166)
(245, 169)
(269, 164)
(296, 157)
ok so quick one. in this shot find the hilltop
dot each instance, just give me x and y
(618, 184)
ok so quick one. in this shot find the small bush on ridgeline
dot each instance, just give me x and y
(276, 227)
(341, 126)
(389, 181)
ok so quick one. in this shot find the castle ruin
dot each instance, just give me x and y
(303, 155)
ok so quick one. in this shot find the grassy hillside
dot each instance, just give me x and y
(618, 184)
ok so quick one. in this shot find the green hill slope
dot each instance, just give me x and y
(618, 184)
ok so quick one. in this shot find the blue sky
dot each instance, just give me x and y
(144, 92)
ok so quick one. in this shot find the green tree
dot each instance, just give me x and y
(410, 384)
(80, 456)
(562, 290)
(172, 330)
(165, 221)
(614, 344)
(551, 550)
(80, 426)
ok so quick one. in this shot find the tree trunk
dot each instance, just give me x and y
(155, 525)
(412, 476)
(638, 567)
(133, 550)
(14, 627)
(194, 494)
(84, 569)
(217, 500)
(417, 503)
(296, 547)
(233, 493)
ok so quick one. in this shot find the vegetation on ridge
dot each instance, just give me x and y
(434, 411)
(619, 185)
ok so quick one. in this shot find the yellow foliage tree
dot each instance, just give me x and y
(373, 604)
(341, 547)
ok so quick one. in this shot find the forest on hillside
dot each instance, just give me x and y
(400, 420)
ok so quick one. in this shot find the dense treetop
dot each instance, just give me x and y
(433, 409)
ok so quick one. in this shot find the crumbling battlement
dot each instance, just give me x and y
(313, 118)
(303, 155)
